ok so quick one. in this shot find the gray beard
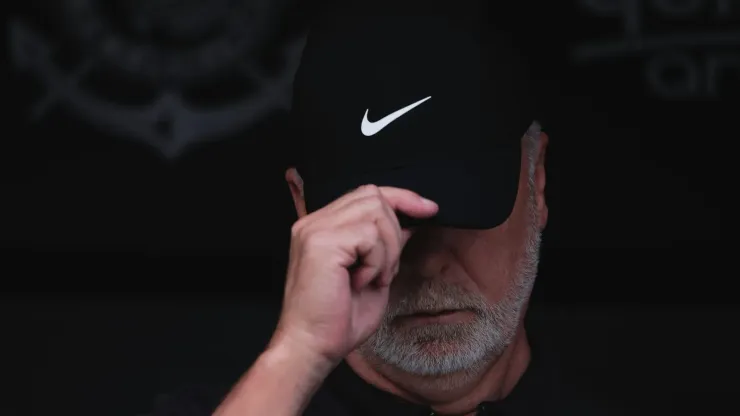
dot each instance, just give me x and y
(443, 349)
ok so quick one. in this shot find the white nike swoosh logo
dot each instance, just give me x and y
(369, 128)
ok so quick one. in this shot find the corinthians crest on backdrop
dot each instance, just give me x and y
(164, 73)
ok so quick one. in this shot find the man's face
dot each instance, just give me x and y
(458, 299)
(459, 295)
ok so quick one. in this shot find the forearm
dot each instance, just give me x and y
(281, 383)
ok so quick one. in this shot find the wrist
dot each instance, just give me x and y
(290, 351)
(281, 382)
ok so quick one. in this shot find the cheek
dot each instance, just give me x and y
(490, 260)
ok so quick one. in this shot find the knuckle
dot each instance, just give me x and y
(296, 230)
(370, 231)
(374, 203)
(317, 239)
(370, 189)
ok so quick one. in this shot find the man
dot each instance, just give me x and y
(421, 200)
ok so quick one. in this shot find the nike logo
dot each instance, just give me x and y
(370, 128)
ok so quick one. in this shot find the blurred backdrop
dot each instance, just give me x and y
(146, 217)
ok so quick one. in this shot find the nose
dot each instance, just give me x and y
(425, 254)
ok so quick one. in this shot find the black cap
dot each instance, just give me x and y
(459, 103)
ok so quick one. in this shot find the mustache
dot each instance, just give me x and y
(433, 295)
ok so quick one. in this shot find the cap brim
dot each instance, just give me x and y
(469, 195)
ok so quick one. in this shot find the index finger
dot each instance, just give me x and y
(408, 202)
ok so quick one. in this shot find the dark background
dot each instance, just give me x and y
(146, 218)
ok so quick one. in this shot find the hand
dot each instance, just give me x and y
(343, 258)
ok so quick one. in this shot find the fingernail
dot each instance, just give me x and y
(428, 202)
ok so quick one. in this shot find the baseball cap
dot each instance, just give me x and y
(422, 102)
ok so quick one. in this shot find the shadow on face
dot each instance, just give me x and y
(484, 261)
(459, 295)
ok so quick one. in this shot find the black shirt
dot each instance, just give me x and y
(542, 390)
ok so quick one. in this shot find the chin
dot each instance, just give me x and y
(432, 351)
